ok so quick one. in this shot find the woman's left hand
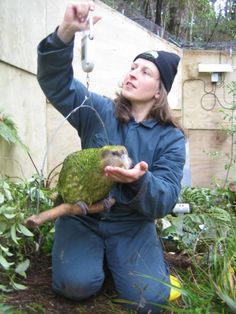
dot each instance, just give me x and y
(118, 174)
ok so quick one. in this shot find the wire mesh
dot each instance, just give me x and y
(135, 15)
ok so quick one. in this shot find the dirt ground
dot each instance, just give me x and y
(40, 299)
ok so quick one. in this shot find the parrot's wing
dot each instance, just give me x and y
(74, 181)
(79, 164)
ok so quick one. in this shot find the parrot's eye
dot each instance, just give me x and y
(115, 154)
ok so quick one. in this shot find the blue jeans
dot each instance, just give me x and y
(133, 253)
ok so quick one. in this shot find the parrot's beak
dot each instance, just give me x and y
(126, 161)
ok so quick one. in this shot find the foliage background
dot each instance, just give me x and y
(189, 21)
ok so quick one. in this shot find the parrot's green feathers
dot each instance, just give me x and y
(82, 174)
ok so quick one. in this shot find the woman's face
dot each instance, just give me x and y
(141, 84)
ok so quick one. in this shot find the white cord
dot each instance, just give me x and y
(55, 132)
(66, 118)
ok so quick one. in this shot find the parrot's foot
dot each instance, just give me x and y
(102, 206)
(83, 206)
(108, 203)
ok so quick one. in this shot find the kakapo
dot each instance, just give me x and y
(82, 179)
(82, 174)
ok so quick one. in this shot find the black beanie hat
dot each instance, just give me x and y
(166, 62)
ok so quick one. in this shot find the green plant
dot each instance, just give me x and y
(230, 129)
(227, 126)
(6, 309)
(8, 130)
(212, 216)
(111, 3)
(208, 237)
(210, 287)
(18, 244)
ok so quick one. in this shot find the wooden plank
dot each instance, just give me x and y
(204, 168)
(202, 108)
(203, 99)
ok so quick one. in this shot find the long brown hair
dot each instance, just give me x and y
(160, 111)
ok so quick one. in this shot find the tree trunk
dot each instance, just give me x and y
(158, 12)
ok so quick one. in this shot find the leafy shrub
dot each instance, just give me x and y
(212, 217)
(18, 245)
(211, 288)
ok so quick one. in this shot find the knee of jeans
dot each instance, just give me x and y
(77, 287)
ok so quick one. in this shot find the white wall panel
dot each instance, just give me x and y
(23, 24)
(23, 101)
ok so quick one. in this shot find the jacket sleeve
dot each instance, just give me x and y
(55, 74)
(56, 78)
(156, 193)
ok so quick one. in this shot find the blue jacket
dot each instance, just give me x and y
(162, 147)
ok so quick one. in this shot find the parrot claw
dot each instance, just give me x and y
(108, 203)
(84, 207)
(102, 206)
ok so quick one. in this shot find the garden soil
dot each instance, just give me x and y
(39, 298)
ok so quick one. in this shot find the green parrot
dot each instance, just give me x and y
(82, 182)
(82, 175)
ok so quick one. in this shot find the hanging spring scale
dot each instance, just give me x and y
(87, 50)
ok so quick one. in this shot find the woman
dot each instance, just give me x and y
(140, 119)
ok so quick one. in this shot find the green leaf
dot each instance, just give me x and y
(13, 234)
(2, 198)
(5, 250)
(21, 228)
(8, 194)
(5, 264)
(7, 209)
(9, 216)
(52, 230)
(9, 132)
(18, 286)
(3, 226)
(4, 289)
(4, 308)
(22, 267)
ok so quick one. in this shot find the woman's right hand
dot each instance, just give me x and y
(75, 20)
